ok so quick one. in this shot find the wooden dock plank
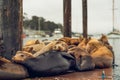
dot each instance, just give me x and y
(87, 75)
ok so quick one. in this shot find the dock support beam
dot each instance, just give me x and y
(11, 26)
(67, 17)
(84, 10)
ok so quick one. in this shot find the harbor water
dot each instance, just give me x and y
(116, 47)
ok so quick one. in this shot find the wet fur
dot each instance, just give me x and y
(33, 48)
(83, 59)
(102, 56)
(54, 45)
(22, 56)
(71, 41)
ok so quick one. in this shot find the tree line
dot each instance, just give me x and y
(39, 23)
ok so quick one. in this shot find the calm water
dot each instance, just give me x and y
(116, 47)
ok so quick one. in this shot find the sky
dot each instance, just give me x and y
(99, 13)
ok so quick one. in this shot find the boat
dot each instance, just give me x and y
(113, 36)
(57, 33)
(115, 32)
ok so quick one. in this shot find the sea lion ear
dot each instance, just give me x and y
(37, 42)
(103, 38)
(30, 49)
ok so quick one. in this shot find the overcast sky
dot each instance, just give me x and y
(99, 13)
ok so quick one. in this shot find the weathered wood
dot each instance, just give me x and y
(84, 12)
(12, 26)
(1, 5)
(67, 17)
(12, 71)
(85, 75)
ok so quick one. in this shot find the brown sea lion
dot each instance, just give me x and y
(54, 45)
(104, 40)
(33, 48)
(102, 56)
(71, 41)
(83, 59)
(32, 42)
(22, 56)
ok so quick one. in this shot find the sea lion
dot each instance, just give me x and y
(83, 59)
(22, 56)
(32, 42)
(34, 48)
(54, 45)
(102, 56)
(71, 41)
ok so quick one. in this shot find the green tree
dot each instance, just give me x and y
(40, 23)
(34, 23)
(51, 26)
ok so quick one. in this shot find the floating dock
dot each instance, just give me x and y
(86, 75)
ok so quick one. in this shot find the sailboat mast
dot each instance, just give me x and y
(113, 5)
